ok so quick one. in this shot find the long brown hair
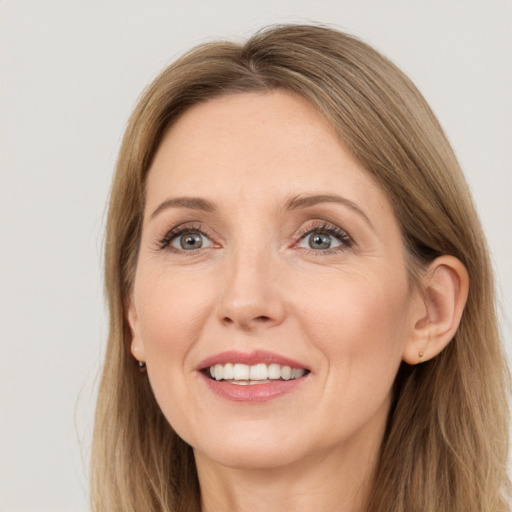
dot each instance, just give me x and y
(446, 445)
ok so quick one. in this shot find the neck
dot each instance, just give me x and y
(328, 482)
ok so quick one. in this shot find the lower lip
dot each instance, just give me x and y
(252, 392)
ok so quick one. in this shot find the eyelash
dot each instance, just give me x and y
(165, 242)
(341, 235)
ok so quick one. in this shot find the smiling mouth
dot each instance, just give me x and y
(243, 374)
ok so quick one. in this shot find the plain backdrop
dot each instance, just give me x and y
(70, 74)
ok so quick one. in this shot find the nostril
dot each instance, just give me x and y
(256, 320)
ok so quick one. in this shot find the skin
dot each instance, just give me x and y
(349, 312)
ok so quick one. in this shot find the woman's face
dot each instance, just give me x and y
(269, 254)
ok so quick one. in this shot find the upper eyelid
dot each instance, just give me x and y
(331, 228)
(328, 226)
(184, 227)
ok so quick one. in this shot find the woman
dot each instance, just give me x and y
(301, 300)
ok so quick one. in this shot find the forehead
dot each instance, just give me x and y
(256, 147)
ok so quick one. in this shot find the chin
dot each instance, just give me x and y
(250, 452)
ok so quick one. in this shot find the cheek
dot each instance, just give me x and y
(359, 324)
(358, 329)
(171, 311)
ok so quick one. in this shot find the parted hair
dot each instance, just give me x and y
(446, 443)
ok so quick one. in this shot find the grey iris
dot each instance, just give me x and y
(191, 241)
(320, 241)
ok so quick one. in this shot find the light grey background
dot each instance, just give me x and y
(70, 73)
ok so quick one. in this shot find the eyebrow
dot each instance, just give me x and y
(297, 202)
(305, 201)
(192, 203)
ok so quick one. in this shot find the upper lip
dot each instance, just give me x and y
(250, 358)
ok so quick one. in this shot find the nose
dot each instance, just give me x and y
(251, 292)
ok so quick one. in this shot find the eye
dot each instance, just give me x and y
(191, 240)
(185, 239)
(325, 238)
(320, 241)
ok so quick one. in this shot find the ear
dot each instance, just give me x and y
(137, 345)
(443, 291)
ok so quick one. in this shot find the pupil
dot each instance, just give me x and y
(320, 242)
(191, 241)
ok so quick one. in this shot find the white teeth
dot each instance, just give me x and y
(274, 371)
(258, 372)
(296, 373)
(254, 374)
(240, 371)
(228, 372)
(219, 374)
(286, 373)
